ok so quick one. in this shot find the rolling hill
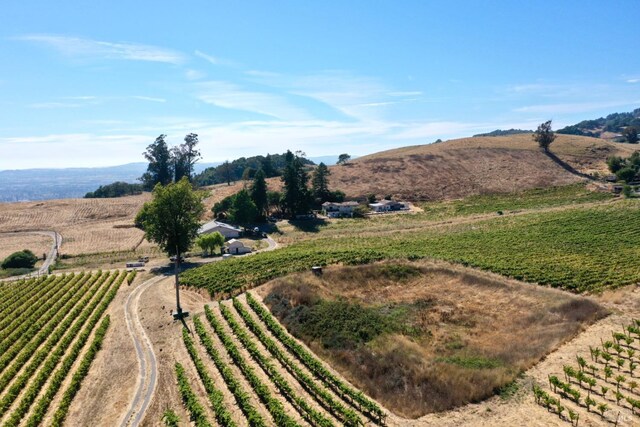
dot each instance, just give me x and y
(469, 166)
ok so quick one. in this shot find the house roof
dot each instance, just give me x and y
(212, 225)
(235, 241)
(350, 203)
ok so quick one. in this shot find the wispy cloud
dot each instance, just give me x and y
(215, 60)
(82, 98)
(634, 80)
(232, 96)
(54, 105)
(149, 98)
(265, 74)
(83, 47)
(194, 75)
(352, 95)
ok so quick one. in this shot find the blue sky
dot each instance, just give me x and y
(93, 83)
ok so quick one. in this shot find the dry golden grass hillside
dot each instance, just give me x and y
(86, 225)
(469, 166)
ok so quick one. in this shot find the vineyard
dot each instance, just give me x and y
(246, 360)
(604, 380)
(51, 328)
(581, 249)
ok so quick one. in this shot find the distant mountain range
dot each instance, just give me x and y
(44, 184)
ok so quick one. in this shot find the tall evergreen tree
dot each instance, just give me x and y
(259, 193)
(185, 157)
(160, 169)
(268, 168)
(296, 195)
(227, 171)
(320, 183)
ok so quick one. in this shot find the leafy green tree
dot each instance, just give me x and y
(21, 259)
(160, 169)
(248, 174)
(343, 159)
(243, 211)
(615, 163)
(172, 219)
(259, 193)
(626, 174)
(116, 189)
(210, 241)
(337, 196)
(296, 196)
(320, 184)
(544, 136)
(630, 133)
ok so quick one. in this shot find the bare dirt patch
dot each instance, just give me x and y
(424, 338)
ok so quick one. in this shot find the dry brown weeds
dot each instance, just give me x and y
(477, 331)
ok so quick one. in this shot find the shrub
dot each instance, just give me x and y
(21, 259)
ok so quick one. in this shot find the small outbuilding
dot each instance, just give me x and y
(387, 206)
(228, 231)
(236, 247)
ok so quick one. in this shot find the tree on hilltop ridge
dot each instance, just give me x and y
(544, 136)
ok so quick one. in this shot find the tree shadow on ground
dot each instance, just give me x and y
(308, 225)
(566, 166)
(169, 269)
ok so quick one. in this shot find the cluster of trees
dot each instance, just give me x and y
(22, 259)
(625, 169)
(616, 122)
(245, 168)
(116, 189)
(255, 203)
(168, 165)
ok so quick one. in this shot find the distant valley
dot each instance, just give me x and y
(64, 183)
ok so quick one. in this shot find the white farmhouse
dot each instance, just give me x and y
(337, 210)
(228, 231)
(236, 247)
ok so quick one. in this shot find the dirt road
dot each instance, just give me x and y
(148, 370)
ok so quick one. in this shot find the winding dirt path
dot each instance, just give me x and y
(148, 372)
